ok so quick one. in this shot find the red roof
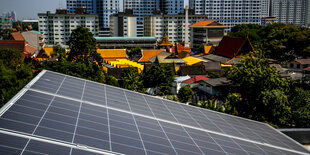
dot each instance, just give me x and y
(303, 61)
(195, 79)
(13, 44)
(17, 36)
(230, 47)
(30, 49)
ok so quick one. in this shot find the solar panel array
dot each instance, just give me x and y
(60, 114)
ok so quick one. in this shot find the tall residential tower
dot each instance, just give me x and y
(289, 11)
(232, 12)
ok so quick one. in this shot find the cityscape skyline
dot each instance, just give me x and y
(30, 9)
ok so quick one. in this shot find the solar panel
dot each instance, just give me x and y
(60, 114)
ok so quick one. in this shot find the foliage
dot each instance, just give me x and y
(5, 34)
(214, 75)
(83, 60)
(60, 52)
(279, 41)
(83, 46)
(261, 89)
(11, 58)
(300, 107)
(14, 74)
(130, 79)
(111, 80)
(211, 105)
(88, 71)
(185, 94)
(134, 52)
(159, 76)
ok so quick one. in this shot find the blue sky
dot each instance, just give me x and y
(28, 9)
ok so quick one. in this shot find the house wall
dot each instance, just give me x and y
(296, 65)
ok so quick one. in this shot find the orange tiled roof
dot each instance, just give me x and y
(203, 23)
(30, 49)
(112, 53)
(148, 54)
(17, 36)
(208, 49)
(208, 24)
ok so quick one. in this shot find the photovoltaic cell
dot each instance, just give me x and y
(74, 111)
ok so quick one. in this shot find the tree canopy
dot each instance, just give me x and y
(159, 76)
(185, 94)
(262, 90)
(130, 79)
(83, 46)
(14, 74)
(279, 41)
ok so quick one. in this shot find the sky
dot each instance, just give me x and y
(29, 9)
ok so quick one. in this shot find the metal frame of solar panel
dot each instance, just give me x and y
(61, 114)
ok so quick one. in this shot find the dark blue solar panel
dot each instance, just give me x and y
(78, 112)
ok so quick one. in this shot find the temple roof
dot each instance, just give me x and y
(165, 41)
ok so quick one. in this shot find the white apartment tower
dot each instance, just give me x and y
(289, 11)
(232, 12)
(173, 25)
(123, 25)
(57, 28)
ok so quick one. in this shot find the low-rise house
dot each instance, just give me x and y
(19, 45)
(230, 47)
(299, 64)
(213, 87)
(177, 84)
(192, 70)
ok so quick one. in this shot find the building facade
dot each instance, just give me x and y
(103, 8)
(289, 11)
(57, 28)
(123, 25)
(308, 14)
(5, 23)
(206, 32)
(173, 25)
(232, 12)
(143, 8)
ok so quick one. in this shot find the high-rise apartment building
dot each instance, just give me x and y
(5, 23)
(308, 13)
(142, 8)
(57, 28)
(173, 25)
(123, 24)
(103, 8)
(289, 11)
(232, 12)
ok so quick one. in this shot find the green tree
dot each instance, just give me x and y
(133, 52)
(88, 71)
(83, 46)
(279, 41)
(111, 80)
(159, 76)
(261, 88)
(130, 79)
(60, 52)
(14, 74)
(300, 107)
(5, 34)
(185, 94)
(83, 60)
